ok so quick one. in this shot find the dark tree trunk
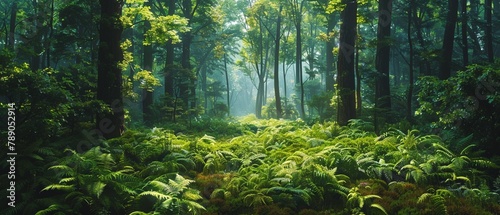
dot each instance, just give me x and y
(276, 66)
(488, 31)
(345, 66)
(496, 25)
(227, 86)
(109, 81)
(187, 85)
(12, 26)
(473, 30)
(465, 46)
(169, 62)
(147, 99)
(449, 37)
(330, 59)
(358, 82)
(186, 67)
(36, 40)
(48, 45)
(382, 84)
(424, 65)
(259, 98)
(298, 67)
(409, 96)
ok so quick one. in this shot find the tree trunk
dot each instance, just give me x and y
(424, 65)
(48, 40)
(298, 67)
(147, 99)
(227, 86)
(488, 31)
(409, 96)
(186, 67)
(169, 62)
(358, 82)
(465, 46)
(259, 98)
(496, 25)
(109, 81)
(12, 26)
(330, 59)
(277, 39)
(345, 66)
(382, 83)
(449, 37)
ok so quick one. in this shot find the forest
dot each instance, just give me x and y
(265, 107)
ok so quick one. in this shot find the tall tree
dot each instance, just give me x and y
(296, 8)
(169, 61)
(109, 82)
(346, 104)
(330, 59)
(382, 85)
(465, 46)
(12, 25)
(187, 38)
(277, 39)
(147, 99)
(449, 38)
(409, 96)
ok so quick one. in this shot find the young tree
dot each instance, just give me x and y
(346, 104)
(109, 82)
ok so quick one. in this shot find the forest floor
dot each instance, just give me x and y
(251, 166)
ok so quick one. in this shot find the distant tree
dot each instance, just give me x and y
(256, 48)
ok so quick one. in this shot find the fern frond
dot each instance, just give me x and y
(52, 208)
(380, 208)
(158, 195)
(303, 194)
(437, 202)
(59, 187)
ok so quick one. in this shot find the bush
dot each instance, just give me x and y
(468, 102)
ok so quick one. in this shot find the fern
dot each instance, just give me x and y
(436, 202)
(302, 194)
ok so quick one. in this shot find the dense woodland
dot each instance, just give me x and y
(250, 106)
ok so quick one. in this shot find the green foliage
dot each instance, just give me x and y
(362, 204)
(147, 80)
(272, 165)
(468, 101)
(437, 202)
(163, 28)
(174, 196)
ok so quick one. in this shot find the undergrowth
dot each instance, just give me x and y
(255, 166)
